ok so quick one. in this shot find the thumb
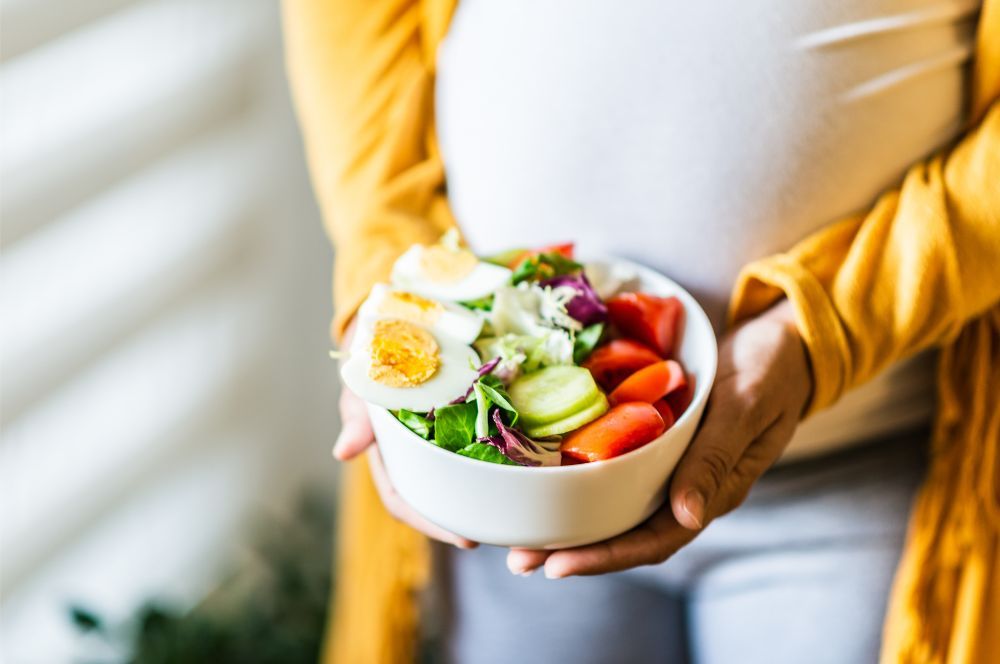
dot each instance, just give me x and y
(708, 460)
(354, 438)
(356, 433)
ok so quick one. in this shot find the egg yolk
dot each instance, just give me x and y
(411, 307)
(444, 265)
(402, 354)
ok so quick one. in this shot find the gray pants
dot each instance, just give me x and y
(799, 574)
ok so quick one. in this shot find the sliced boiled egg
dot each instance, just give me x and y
(441, 318)
(448, 273)
(399, 364)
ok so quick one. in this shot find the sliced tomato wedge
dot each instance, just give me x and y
(663, 408)
(650, 384)
(652, 320)
(622, 429)
(681, 398)
(615, 361)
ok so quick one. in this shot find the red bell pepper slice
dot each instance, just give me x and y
(615, 361)
(652, 320)
(651, 383)
(663, 408)
(681, 398)
(622, 429)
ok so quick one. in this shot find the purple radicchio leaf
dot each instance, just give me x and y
(587, 306)
(519, 448)
(481, 371)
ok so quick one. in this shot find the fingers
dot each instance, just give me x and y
(705, 465)
(761, 388)
(403, 512)
(525, 561)
(662, 535)
(355, 437)
(763, 379)
(356, 430)
(649, 544)
(736, 415)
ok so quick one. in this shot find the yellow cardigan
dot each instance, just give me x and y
(920, 269)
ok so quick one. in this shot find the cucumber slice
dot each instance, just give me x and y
(574, 421)
(553, 393)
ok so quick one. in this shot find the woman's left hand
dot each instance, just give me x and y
(761, 389)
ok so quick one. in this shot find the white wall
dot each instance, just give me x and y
(164, 300)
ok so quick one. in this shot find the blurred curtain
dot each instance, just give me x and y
(156, 226)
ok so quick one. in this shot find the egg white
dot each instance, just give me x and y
(455, 321)
(456, 372)
(485, 278)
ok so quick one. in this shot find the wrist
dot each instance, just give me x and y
(782, 314)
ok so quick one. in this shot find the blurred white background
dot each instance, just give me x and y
(164, 300)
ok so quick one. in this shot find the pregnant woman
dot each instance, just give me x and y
(825, 178)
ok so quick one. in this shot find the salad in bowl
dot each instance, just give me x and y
(518, 359)
(505, 390)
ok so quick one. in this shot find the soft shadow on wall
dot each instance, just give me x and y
(164, 292)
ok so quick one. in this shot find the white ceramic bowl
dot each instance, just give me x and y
(560, 506)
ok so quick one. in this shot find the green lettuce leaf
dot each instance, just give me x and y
(544, 266)
(482, 304)
(485, 452)
(455, 425)
(585, 341)
(415, 422)
(489, 392)
(499, 397)
(482, 425)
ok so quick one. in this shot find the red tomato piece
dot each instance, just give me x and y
(663, 408)
(680, 399)
(651, 383)
(622, 429)
(655, 321)
(615, 361)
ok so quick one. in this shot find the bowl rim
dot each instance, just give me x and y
(691, 307)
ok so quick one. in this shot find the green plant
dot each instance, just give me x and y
(272, 610)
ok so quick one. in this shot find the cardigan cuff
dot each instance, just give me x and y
(764, 282)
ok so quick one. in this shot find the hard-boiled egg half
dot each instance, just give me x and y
(441, 318)
(396, 363)
(447, 272)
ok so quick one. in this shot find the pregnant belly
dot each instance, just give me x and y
(688, 136)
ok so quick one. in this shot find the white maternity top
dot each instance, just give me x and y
(695, 137)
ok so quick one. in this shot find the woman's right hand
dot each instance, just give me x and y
(356, 436)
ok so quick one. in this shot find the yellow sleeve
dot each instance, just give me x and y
(362, 79)
(903, 277)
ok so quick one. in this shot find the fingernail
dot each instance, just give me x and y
(336, 451)
(694, 506)
(338, 445)
(549, 574)
(527, 572)
(517, 570)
